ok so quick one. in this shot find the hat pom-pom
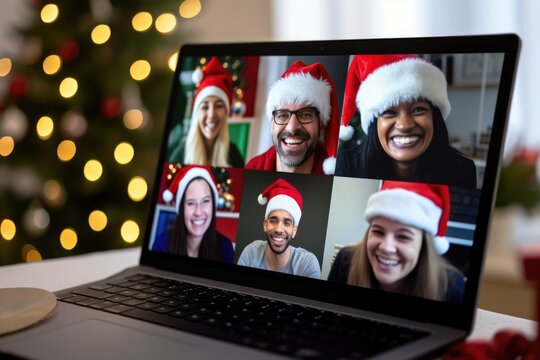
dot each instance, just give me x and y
(441, 244)
(197, 76)
(329, 165)
(345, 132)
(262, 200)
(167, 196)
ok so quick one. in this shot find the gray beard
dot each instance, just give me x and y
(294, 158)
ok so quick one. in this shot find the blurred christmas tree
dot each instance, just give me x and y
(80, 124)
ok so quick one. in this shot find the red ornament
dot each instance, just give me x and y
(18, 86)
(69, 50)
(111, 107)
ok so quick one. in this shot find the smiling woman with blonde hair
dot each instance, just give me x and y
(207, 141)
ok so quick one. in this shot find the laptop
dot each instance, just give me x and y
(178, 303)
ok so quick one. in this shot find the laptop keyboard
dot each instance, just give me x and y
(266, 324)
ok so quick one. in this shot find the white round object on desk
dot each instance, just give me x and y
(23, 307)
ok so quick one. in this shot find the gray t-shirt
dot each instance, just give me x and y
(301, 262)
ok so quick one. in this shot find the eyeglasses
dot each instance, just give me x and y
(304, 116)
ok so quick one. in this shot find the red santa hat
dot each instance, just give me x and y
(378, 82)
(183, 177)
(310, 85)
(215, 80)
(424, 206)
(281, 195)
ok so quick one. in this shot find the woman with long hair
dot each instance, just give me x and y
(403, 103)
(207, 141)
(401, 250)
(194, 231)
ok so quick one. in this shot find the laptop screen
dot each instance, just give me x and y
(351, 166)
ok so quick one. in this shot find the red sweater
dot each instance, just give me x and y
(267, 160)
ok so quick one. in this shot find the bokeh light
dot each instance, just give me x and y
(7, 145)
(49, 13)
(123, 153)
(5, 66)
(142, 21)
(165, 23)
(54, 193)
(93, 170)
(97, 220)
(68, 239)
(66, 150)
(68, 87)
(137, 188)
(52, 64)
(140, 70)
(101, 34)
(173, 59)
(133, 119)
(129, 231)
(7, 229)
(44, 127)
(189, 8)
(33, 255)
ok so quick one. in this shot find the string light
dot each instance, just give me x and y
(93, 170)
(8, 229)
(173, 60)
(190, 8)
(165, 23)
(140, 70)
(123, 153)
(66, 150)
(68, 87)
(97, 220)
(49, 13)
(52, 64)
(101, 34)
(54, 193)
(129, 231)
(33, 255)
(137, 188)
(44, 127)
(142, 21)
(5, 66)
(133, 119)
(68, 239)
(7, 145)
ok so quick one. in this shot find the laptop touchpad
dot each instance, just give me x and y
(97, 339)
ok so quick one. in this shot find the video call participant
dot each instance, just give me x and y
(302, 107)
(207, 141)
(282, 217)
(194, 231)
(403, 103)
(401, 250)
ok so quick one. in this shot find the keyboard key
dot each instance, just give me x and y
(118, 308)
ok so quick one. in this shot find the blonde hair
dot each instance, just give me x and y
(195, 149)
(429, 278)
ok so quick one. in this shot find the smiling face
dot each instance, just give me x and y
(211, 116)
(405, 131)
(295, 142)
(393, 250)
(198, 209)
(280, 229)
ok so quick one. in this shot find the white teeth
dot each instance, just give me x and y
(198, 222)
(387, 262)
(293, 141)
(278, 239)
(405, 140)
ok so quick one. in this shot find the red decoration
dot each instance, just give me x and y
(18, 86)
(505, 345)
(69, 50)
(111, 107)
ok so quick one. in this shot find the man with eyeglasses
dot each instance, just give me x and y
(302, 106)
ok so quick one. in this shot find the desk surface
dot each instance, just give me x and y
(57, 274)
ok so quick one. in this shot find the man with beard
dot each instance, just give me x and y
(303, 109)
(282, 216)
